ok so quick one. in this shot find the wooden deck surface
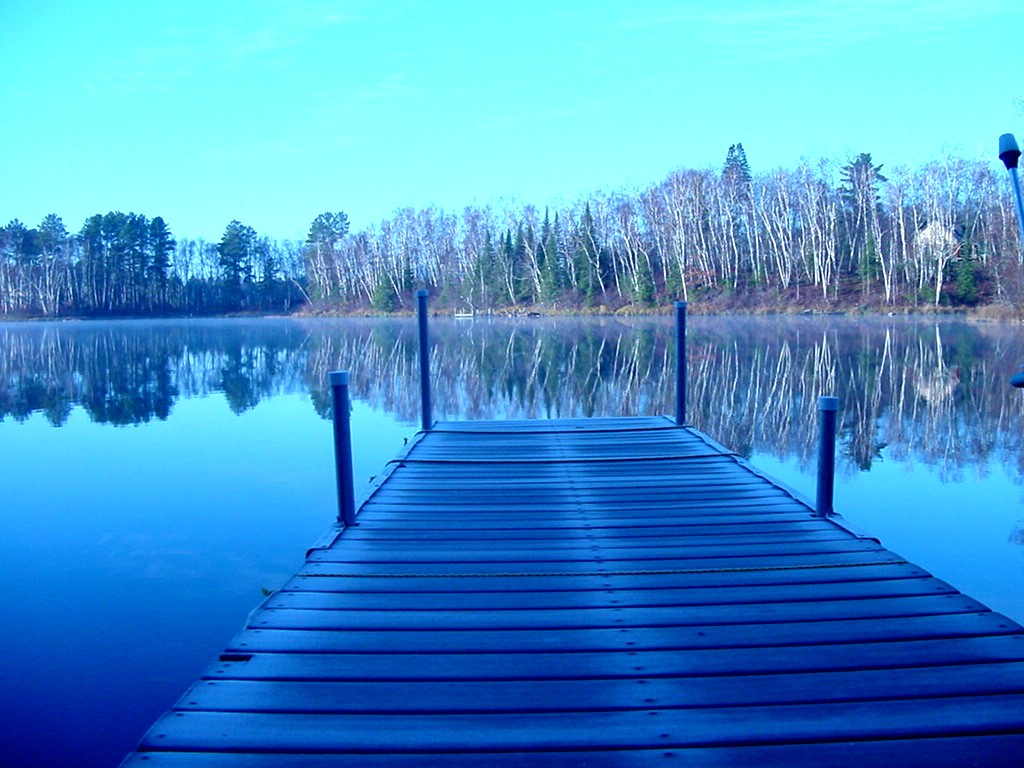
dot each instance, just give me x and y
(603, 593)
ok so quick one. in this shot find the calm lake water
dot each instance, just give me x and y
(159, 475)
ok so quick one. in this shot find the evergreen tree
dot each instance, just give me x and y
(967, 281)
(235, 256)
(522, 280)
(20, 253)
(861, 197)
(644, 293)
(508, 267)
(552, 270)
(326, 231)
(268, 268)
(485, 273)
(967, 272)
(90, 265)
(328, 228)
(384, 299)
(590, 259)
(860, 175)
(135, 236)
(738, 224)
(408, 275)
(52, 233)
(117, 262)
(161, 246)
(736, 171)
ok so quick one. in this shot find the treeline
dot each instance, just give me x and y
(128, 264)
(818, 235)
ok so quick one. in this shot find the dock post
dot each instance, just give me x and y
(680, 363)
(343, 448)
(827, 407)
(421, 315)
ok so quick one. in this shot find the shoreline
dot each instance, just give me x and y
(989, 313)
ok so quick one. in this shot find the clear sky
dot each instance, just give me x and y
(272, 112)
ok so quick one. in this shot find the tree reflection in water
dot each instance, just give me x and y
(932, 392)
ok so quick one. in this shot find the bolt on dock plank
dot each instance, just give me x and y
(601, 592)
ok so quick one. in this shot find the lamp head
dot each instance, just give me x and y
(1009, 152)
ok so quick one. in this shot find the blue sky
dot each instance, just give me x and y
(273, 112)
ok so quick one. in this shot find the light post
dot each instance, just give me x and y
(1009, 153)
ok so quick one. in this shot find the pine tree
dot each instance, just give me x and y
(859, 175)
(235, 254)
(268, 268)
(384, 299)
(325, 232)
(484, 272)
(590, 259)
(520, 268)
(861, 197)
(552, 270)
(967, 272)
(161, 246)
(737, 184)
(736, 171)
(644, 293)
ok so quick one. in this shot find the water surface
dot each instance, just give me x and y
(160, 475)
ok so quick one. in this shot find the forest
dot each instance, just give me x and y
(823, 237)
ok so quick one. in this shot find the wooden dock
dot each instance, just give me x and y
(604, 592)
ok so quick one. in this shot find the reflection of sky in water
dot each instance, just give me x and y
(132, 555)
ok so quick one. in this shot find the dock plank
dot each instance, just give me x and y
(598, 730)
(511, 665)
(936, 752)
(589, 695)
(317, 576)
(329, 598)
(679, 637)
(596, 617)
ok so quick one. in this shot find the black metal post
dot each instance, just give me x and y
(1009, 153)
(421, 314)
(680, 363)
(343, 448)
(827, 408)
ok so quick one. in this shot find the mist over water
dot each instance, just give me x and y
(160, 474)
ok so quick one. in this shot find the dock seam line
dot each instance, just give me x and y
(584, 460)
(663, 572)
